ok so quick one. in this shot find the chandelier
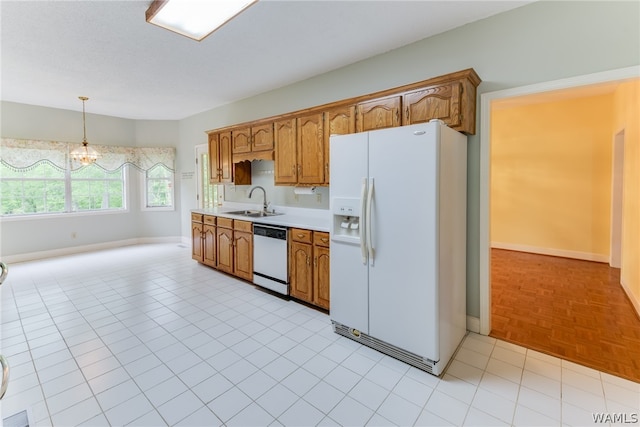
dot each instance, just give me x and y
(85, 154)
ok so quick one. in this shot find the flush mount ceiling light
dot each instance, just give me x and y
(85, 154)
(195, 19)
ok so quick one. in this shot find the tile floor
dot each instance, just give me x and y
(144, 336)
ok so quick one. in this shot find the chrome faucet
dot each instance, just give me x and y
(264, 200)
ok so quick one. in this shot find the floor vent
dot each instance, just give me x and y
(412, 359)
(21, 419)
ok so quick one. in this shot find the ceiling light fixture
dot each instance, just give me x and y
(85, 154)
(195, 19)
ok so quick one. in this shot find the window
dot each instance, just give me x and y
(36, 177)
(93, 188)
(208, 195)
(159, 187)
(37, 190)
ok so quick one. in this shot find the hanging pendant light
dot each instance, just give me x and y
(85, 154)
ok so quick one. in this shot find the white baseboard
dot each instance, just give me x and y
(587, 256)
(632, 298)
(32, 256)
(473, 324)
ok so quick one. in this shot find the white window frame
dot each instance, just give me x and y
(144, 203)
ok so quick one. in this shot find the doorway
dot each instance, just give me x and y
(485, 190)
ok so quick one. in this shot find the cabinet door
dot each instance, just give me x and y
(311, 163)
(301, 272)
(214, 158)
(437, 102)
(337, 121)
(378, 114)
(224, 244)
(285, 152)
(209, 245)
(243, 255)
(225, 155)
(321, 276)
(262, 137)
(241, 139)
(196, 241)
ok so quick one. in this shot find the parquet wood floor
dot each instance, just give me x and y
(572, 309)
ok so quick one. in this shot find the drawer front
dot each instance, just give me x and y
(321, 238)
(301, 235)
(196, 217)
(225, 222)
(242, 226)
(211, 220)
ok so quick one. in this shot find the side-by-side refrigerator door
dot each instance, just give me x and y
(349, 293)
(403, 298)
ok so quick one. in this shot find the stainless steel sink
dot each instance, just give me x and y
(253, 214)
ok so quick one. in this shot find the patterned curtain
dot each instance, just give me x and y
(22, 154)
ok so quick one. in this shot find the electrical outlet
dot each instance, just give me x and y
(319, 197)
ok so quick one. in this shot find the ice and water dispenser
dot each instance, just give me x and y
(346, 219)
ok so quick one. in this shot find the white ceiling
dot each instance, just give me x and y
(54, 51)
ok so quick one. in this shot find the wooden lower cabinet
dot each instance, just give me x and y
(235, 247)
(301, 272)
(321, 269)
(309, 266)
(209, 241)
(197, 245)
(243, 249)
(224, 242)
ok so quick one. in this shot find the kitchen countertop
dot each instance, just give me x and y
(311, 219)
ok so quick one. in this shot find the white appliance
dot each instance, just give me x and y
(398, 241)
(270, 261)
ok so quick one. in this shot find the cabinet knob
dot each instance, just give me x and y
(300, 235)
(315, 261)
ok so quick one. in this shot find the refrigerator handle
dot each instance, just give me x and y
(363, 219)
(369, 226)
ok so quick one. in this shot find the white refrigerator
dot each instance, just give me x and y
(398, 241)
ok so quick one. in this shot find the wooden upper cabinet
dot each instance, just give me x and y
(337, 121)
(378, 114)
(241, 140)
(262, 137)
(214, 158)
(340, 121)
(450, 98)
(311, 152)
(286, 171)
(436, 102)
(221, 167)
(226, 165)
(253, 142)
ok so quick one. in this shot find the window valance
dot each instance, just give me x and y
(22, 154)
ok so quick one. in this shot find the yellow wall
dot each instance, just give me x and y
(551, 175)
(627, 118)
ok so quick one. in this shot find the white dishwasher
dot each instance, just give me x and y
(270, 260)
